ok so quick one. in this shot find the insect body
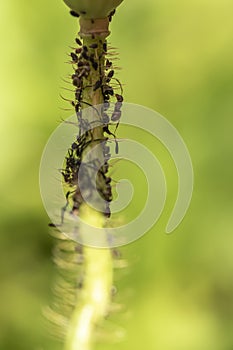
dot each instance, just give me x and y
(76, 173)
(74, 14)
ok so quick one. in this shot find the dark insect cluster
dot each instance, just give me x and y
(93, 74)
(93, 82)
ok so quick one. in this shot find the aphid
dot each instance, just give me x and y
(78, 41)
(97, 85)
(85, 56)
(119, 98)
(80, 63)
(74, 57)
(76, 81)
(83, 12)
(74, 14)
(94, 65)
(108, 90)
(78, 94)
(74, 145)
(52, 225)
(111, 14)
(105, 47)
(85, 48)
(77, 108)
(110, 74)
(78, 51)
(108, 180)
(92, 21)
(105, 167)
(107, 193)
(93, 46)
(108, 64)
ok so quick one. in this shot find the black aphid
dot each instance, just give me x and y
(78, 41)
(111, 14)
(74, 14)
(74, 57)
(110, 74)
(105, 47)
(78, 50)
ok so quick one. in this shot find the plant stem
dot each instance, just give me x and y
(94, 297)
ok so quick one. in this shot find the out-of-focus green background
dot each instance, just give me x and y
(177, 59)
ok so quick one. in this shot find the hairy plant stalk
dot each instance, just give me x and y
(84, 288)
(94, 298)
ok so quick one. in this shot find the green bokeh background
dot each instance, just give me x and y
(176, 58)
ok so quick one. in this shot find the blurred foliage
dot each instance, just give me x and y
(177, 59)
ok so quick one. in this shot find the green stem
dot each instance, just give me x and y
(94, 297)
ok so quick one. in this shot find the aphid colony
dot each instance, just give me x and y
(93, 80)
(75, 14)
